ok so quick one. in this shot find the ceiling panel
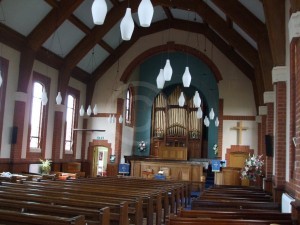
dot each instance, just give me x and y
(64, 39)
(18, 15)
(113, 36)
(244, 35)
(216, 9)
(186, 15)
(93, 59)
(255, 7)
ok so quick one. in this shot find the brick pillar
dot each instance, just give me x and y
(279, 77)
(58, 133)
(84, 148)
(119, 129)
(260, 136)
(269, 101)
(220, 128)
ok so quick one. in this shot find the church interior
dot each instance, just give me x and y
(149, 112)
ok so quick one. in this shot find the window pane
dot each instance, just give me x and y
(70, 116)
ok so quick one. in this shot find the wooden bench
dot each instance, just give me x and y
(19, 218)
(175, 220)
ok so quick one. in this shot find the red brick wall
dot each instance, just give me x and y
(57, 135)
(270, 131)
(220, 128)
(280, 140)
(297, 120)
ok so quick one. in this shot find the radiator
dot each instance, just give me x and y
(286, 203)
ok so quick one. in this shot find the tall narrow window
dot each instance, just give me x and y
(4, 71)
(129, 107)
(71, 107)
(36, 116)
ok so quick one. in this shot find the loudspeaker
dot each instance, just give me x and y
(269, 145)
(14, 134)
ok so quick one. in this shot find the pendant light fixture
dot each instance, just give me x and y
(186, 78)
(109, 118)
(58, 98)
(44, 97)
(197, 100)
(81, 111)
(217, 122)
(127, 25)
(121, 119)
(95, 110)
(206, 121)
(1, 80)
(168, 71)
(99, 11)
(181, 100)
(160, 80)
(145, 13)
(211, 114)
(89, 110)
(199, 113)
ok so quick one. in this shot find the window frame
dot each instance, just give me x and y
(76, 95)
(4, 73)
(129, 121)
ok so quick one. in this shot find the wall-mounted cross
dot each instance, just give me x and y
(239, 128)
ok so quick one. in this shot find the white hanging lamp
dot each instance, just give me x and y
(160, 80)
(121, 119)
(113, 119)
(145, 13)
(181, 100)
(206, 121)
(168, 71)
(127, 25)
(58, 98)
(89, 110)
(186, 78)
(44, 97)
(197, 99)
(95, 110)
(211, 114)
(81, 111)
(109, 119)
(217, 122)
(1, 80)
(199, 113)
(99, 11)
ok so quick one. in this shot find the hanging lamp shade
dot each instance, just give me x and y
(197, 99)
(211, 114)
(145, 13)
(168, 71)
(113, 119)
(44, 97)
(81, 111)
(199, 113)
(160, 80)
(1, 80)
(217, 122)
(181, 100)
(121, 119)
(109, 119)
(127, 25)
(95, 110)
(206, 121)
(186, 78)
(99, 11)
(89, 110)
(58, 98)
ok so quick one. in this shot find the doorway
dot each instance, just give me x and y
(100, 159)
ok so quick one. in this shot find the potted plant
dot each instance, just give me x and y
(46, 166)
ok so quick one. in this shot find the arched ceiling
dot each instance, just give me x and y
(61, 33)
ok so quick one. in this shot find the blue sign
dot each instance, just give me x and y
(215, 165)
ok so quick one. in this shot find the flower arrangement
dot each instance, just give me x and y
(253, 167)
(142, 146)
(215, 148)
(46, 166)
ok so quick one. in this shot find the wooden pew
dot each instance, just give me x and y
(122, 208)
(175, 220)
(19, 218)
(92, 216)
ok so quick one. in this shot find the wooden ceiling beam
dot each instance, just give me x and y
(242, 17)
(295, 5)
(168, 13)
(51, 22)
(78, 23)
(275, 20)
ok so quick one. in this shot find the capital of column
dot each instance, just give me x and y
(279, 74)
(294, 26)
(269, 97)
(21, 96)
(258, 119)
(263, 110)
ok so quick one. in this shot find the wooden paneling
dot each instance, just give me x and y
(228, 176)
(173, 153)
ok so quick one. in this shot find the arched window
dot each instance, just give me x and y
(70, 119)
(72, 103)
(37, 111)
(129, 107)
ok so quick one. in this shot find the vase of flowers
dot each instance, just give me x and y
(253, 168)
(46, 166)
(216, 149)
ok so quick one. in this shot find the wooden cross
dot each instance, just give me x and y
(239, 128)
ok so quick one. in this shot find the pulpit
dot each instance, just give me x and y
(228, 176)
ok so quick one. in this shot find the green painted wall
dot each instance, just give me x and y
(202, 80)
